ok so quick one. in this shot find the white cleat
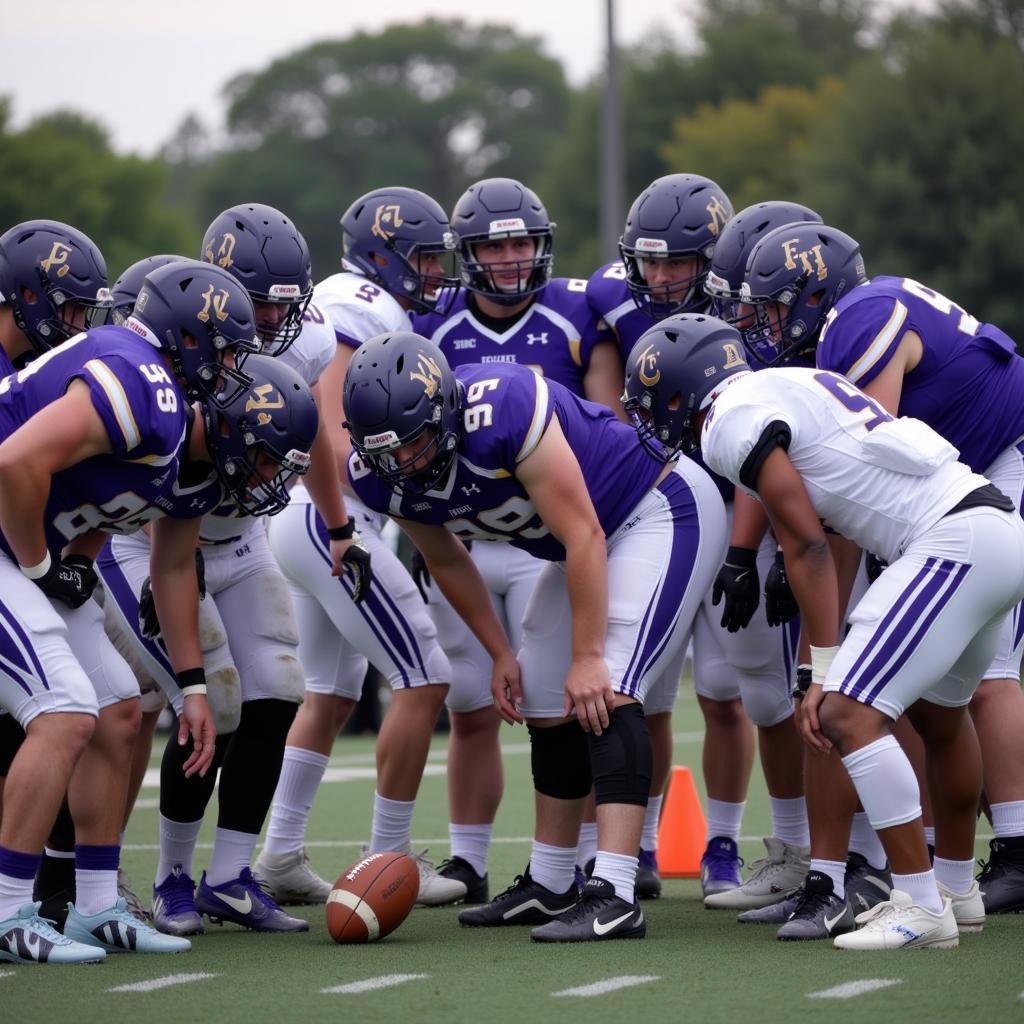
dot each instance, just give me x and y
(899, 923)
(291, 879)
(772, 879)
(436, 890)
(28, 938)
(968, 907)
(115, 930)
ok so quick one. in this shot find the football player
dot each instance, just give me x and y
(496, 452)
(816, 450)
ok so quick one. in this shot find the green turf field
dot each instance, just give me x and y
(695, 965)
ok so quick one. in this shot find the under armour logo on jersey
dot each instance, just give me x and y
(470, 489)
(542, 338)
(793, 254)
(224, 255)
(387, 219)
(59, 253)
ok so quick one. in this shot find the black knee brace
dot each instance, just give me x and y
(620, 758)
(560, 761)
(11, 737)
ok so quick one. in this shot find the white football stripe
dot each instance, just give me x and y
(164, 982)
(855, 988)
(7, 974)
(599, 988)
(361, 909)
(372, 984)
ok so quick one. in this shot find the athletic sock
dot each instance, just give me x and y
(95, 877)
(301, 773)
(586, 849)
(232, 853)
(955, 875)
(921, 888)
(836, 870)
(552, 866)
(17, 873)
(471, 843)
(789, 821)
(864, 840)
(177, 847)
(1008, 819)
(392, 824)
(649, 836)
(620, 870)
(724, 819)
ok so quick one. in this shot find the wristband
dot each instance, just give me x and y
(342, 532)
(37, 572)
(745, 558)
(821, 661)
(191, 681)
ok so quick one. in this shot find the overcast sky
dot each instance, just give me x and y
(139, 66)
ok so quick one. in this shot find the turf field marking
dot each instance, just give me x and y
(164, 982)
(855, 988)
(10, 974)
(372, 984)
(600, 988)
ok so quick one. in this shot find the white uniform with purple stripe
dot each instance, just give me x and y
(929, 625)
(664, 541)
(391, 627)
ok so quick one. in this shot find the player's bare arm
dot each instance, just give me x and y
(886, 387)
(603, 380)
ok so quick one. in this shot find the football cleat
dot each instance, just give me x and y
(436, 890)
(819, 913)
(244, 901)
(1002, 876)
(772, 879)
(174, 905)
(523, 902)
(865, 885)
(131, 897)
(27, 938)
(898, 923)
(459, 869)
(774, 913)
(54, 905)
(598, 916)
(117, 931)
(290, 878)
(648, 878)
(968, 907)
(720, 866)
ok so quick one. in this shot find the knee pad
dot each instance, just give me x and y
(560, 761)
(620, 758)
(224, 695)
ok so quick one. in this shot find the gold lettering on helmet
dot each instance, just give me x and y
(263, 419)
(217, 301)
(719, 215)
(59, 253)
(263, 399)
(223, 255)
(429, 374)
(793, 254)
(647, 369)
(732, 356)
(387, 220)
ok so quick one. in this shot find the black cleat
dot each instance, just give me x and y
(523, 902)
(819, 912)
(866, 886)
(477, 888)
(648, 878)
(598, 916)
(1002, 876)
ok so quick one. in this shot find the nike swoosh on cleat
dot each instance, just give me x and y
(830, 923)
(242, 906)
(878, 882)
(536, 905)
(603, 928)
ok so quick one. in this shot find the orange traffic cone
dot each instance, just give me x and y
(682, 828)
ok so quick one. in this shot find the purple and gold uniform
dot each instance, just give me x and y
(610, 299)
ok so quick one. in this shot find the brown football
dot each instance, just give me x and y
(372, 898)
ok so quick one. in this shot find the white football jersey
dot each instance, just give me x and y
(877, 480)
(358, 309)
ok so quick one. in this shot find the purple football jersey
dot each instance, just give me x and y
(611, 301)
(505, 412)
(143, 411)
(969, 385)
(554, 336)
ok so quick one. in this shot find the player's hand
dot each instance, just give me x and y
(353, 557)
(506, 688)
(196, 720)
(420, 574)
(70, 581)
(810, 726)
(738, 583)
(780, 605)
(874, 567)
(589, 694)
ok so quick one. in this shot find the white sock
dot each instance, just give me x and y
(301, 772)
(649, 836)
(471, 843)
(864, 840)
(724, 819)
(955, 875)
(59, 854)
(392, 824)
(553, 866)
(1008, 819)
(620, 870)
(177, 847)
(789, 820)
(95, 890)
(921, 889)
(836, 870)
(14, 894)
(586, 849)
(929, 835)
(885, 783)
(232, 853)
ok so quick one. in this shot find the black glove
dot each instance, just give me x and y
(357, 558)
(149, 625)
(71, 581)
(420, 574)
(803, 681)
(874, 567)
(737, 580)
(779, 604)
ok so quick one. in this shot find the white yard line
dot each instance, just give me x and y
(164, 982)
(851, 989)
(11, 974)
(372, 984)
(600, 988)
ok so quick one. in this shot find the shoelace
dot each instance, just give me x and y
(180, 899)
(517, 883)
(584, 906)
(46, 927)
(721, 859)
(261, 890)
(810, 903)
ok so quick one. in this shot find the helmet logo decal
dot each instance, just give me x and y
(387, 219)
(263, 399)
(217, 302)
(719, 215)
(732, 356)
(59, 253)
(793, 254)
(647, 368)
(429, 375)
(224, 256)
(654, 245)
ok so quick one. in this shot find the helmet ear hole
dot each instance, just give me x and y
(675, 402)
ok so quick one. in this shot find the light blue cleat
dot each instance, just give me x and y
(28, 938)
(116, 931)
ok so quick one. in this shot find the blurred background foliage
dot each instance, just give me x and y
(903, 129)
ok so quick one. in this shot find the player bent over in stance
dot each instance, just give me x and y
(814, 449)
(496, 453)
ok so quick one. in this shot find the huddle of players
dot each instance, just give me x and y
(682, 250)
